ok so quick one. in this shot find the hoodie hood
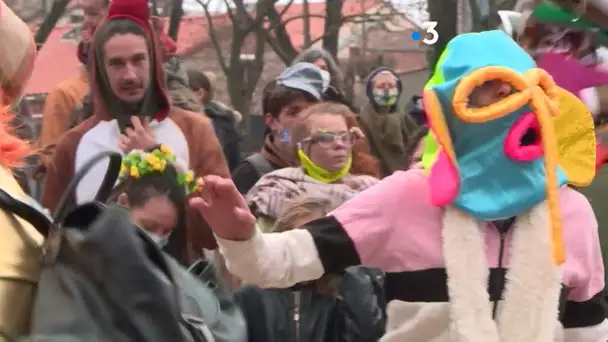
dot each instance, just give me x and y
(369, 88)
(107, 106)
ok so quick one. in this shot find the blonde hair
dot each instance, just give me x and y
(303, 209)
(307, 208)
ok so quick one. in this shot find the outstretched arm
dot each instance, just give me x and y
(353, 234)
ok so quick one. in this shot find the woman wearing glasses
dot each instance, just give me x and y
(323, 142)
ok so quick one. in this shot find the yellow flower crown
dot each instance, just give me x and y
(139, 163)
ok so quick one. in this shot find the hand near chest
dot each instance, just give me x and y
(138, 137)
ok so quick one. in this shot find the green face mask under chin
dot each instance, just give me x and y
(317, 173)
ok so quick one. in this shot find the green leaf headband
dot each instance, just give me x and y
(139, 163)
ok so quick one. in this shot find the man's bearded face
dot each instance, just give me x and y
(127, 66)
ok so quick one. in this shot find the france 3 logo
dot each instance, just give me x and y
(430, 36)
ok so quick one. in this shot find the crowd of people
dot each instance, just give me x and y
(473, 216)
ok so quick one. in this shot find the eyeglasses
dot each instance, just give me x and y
(327, 140)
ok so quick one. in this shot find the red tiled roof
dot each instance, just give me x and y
(57, 60)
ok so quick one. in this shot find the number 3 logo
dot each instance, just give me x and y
(430, 29)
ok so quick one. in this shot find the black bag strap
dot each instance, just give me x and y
(37, 219)
(260, 164)
(109, 180)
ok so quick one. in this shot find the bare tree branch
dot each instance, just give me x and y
(306, 15)
(229, 11)
(280, 40)
(50, 21)
(213, 36)
(177, 13)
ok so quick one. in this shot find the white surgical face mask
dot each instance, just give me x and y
(160, 241)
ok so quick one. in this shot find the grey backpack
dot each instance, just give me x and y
(103, 279)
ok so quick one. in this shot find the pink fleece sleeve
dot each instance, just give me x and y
(584, 267)
(375, 220)
(584, 315)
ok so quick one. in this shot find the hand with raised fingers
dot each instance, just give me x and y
(139, 137)
(224, 209)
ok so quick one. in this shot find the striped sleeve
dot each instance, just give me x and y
(585, 316)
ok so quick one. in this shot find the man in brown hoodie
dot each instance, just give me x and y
(132, 111)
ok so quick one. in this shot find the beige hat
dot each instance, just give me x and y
(17, 54)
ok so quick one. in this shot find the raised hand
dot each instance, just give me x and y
(224, 209)
(139, 137)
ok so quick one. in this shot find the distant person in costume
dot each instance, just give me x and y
(132, 111)
(486, 244)
(387, 126)
(19, 242)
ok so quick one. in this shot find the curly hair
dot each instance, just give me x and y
(363, 162)
(304, 209)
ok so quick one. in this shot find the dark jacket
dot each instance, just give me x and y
(301, 314)
(224, 124)
(246, 174)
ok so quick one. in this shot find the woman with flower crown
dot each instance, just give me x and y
(154, 189)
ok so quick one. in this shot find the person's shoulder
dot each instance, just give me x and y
(404, 183)
(69, 85)
(244, 176)
(573, 202)
(576, 212)
(69, 139)
(188, 120)
(364, 181)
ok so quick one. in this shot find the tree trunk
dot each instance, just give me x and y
(306, 23)
(176, 17)
(49, 22)
(476, 19)
(444, 13)
(154, 7)
(281, 43)
(333, 22)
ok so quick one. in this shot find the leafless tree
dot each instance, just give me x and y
(50, 20)
(177, 12)
(242, 68)
(278, 37)
(444, 12)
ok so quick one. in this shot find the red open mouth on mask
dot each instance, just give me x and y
(523, 141)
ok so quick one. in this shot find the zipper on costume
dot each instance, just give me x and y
(502, 228)
(296, 314)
